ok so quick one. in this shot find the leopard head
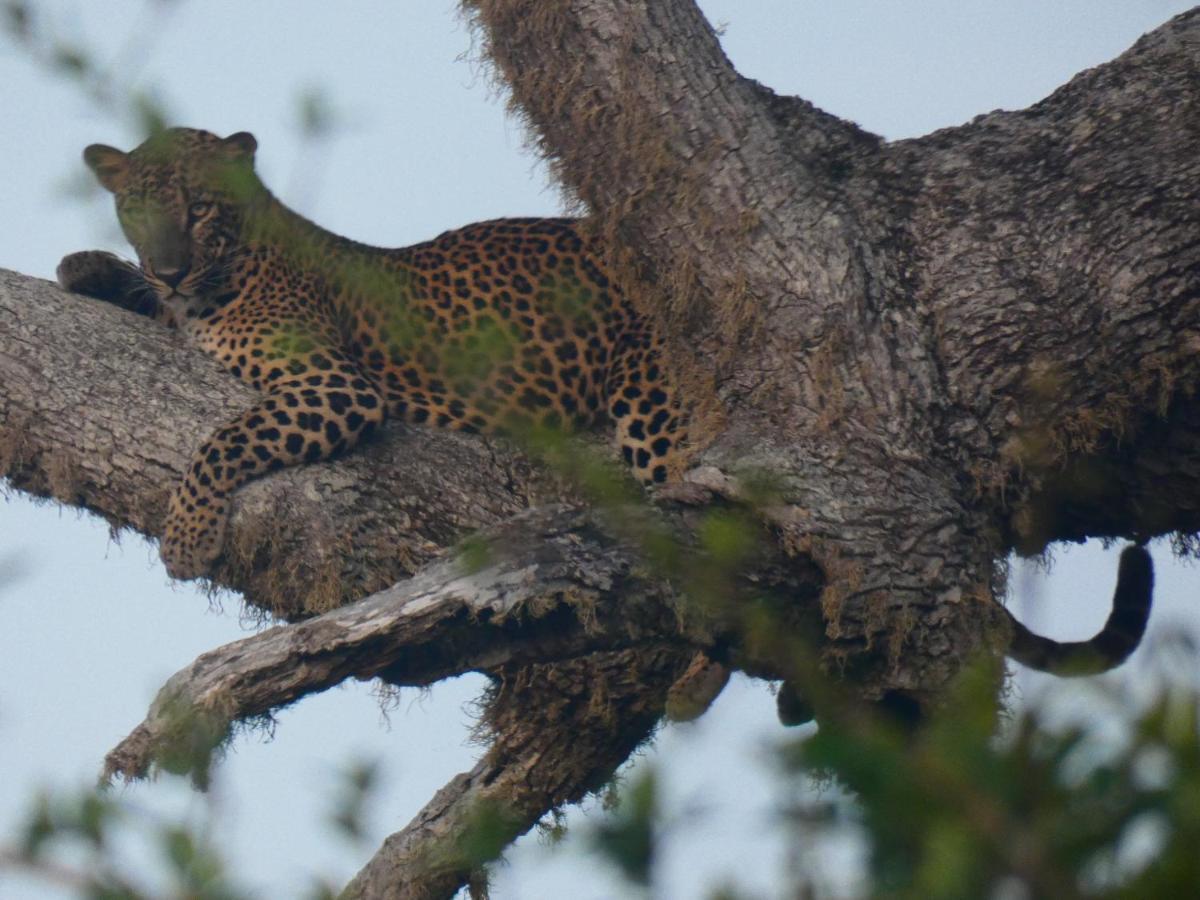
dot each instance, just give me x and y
(181, 198)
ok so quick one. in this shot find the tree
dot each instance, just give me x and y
(916, 357)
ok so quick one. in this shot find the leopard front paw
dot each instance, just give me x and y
(89, 270)
(107, 277)
(193, 536)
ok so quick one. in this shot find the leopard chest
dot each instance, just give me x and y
(267, 339)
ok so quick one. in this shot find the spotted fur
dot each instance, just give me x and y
(501, 326)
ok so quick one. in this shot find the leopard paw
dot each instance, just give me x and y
(193, 536)
(105, 276)
(83, 272)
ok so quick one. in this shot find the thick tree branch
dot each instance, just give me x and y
(589, 715)
(1105, 164)
(102, 409)
(548, 585)
(1058, 256)
(690, 168)
(554, 583)
(757, 229)
(110, 430)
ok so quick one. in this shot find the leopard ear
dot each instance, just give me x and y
(110, 165)
(241, 144)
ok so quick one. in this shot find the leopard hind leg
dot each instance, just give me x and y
(648, 418)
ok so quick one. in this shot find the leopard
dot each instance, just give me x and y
(513, 326)
(500, 327)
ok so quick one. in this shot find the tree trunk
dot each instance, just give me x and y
(907, 360)
(939, 349)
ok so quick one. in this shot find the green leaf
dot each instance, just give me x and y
(628, 838)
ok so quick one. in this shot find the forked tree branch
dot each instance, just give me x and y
(555, 583)
(939, 349)
(544, 586)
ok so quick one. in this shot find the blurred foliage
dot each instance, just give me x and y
(87, 842)
(969, 804)
(316, 115)
(976, 804)
(80, 841)
(357, 785)
(630, 836)
(107, 80)
(489, 828)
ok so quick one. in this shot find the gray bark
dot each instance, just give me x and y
(593, 712)
(932, 352)
(940, 349)
(553, 583)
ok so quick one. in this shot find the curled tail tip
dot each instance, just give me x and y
(1136, 563)
(1112, 645)
(1126, 625)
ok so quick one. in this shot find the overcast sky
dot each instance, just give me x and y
(90, 629)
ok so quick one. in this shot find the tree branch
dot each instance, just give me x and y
(559, 732)
(110, 430)
(690, 169)
(553, 586)
(835, 286)
(102, 409)
(1059, 260)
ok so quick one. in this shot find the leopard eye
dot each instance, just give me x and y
(199, 208)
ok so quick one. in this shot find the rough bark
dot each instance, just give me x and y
(908, 359)
(605, 703)
(582, 584)
(940, 349)
(554, 583)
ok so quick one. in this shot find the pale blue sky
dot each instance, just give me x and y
(93, 628)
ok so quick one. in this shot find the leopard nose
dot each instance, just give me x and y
(172, 276)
